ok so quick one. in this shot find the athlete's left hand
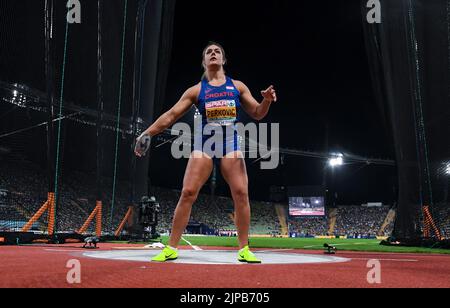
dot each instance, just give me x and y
(270, 94)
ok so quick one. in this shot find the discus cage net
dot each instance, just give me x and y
(409, 55)
(80, 77)
(71, 176)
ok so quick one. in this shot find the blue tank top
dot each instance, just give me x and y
(219, 105)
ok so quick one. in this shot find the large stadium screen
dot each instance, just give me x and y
(306, 206)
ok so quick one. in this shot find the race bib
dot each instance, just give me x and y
(221, 112)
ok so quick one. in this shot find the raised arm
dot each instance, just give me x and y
(257, 111)
(167, 119)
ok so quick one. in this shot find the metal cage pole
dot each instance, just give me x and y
(99, 116)
(137, 83)
(50, 89)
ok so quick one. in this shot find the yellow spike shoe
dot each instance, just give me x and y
(245, 255)
(168, 254)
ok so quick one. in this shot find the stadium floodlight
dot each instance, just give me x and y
(336, 160)
(447, 169)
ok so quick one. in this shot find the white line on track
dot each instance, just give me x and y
(364, 259)
(65, 250)
(343, 244)
(275, 250)
(193, 247)
(393, 260)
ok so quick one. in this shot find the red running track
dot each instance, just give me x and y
(45, 266)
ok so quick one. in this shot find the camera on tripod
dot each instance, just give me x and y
(148, 216)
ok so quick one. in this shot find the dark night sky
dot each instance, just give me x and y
(313, 52)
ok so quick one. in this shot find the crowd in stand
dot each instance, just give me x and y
(28, 188)
(24, 186)
(308, 226)
(216, 213)
(359, 221)
(351, 221)
(443, 212)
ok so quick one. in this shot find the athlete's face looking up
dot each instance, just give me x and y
(213, 57)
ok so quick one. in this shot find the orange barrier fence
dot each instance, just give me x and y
(429, 224)
(96, 213)
(126, 219)
(48, 205)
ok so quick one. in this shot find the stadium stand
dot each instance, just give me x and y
(78, 200)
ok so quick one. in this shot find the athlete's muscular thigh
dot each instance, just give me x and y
(197, 173)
